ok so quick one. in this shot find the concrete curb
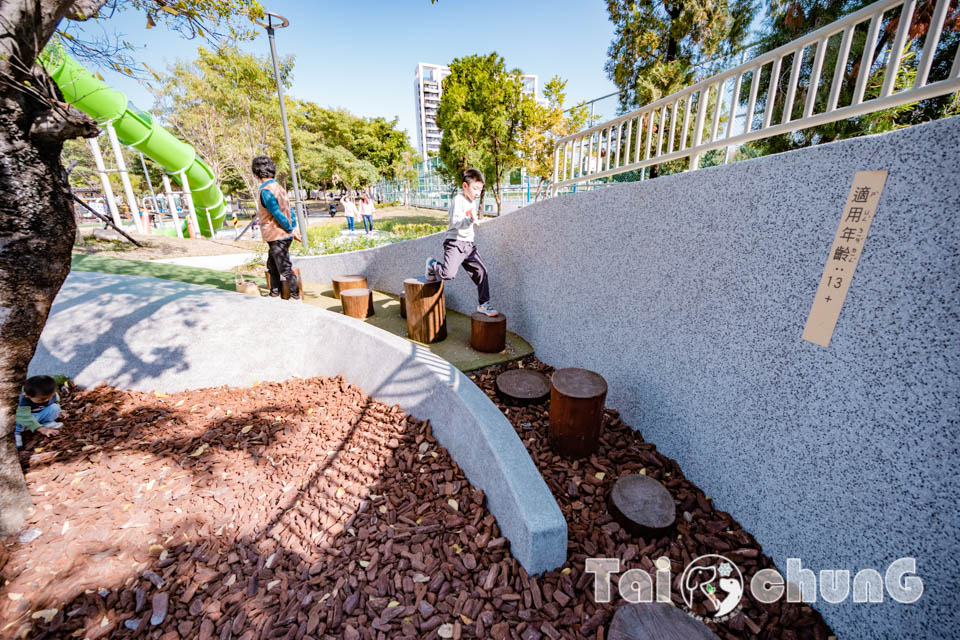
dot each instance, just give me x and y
(150, 334)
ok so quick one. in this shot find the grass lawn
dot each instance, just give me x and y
(192, 275)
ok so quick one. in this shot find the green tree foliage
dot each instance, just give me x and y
(217, 21)
(375, 141)
(483, 114)
(225, 104)
(548, 123)
(336, 167)
(657, 46)
(791, 20)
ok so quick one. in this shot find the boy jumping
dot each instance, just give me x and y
(39, 407)
(458, 247)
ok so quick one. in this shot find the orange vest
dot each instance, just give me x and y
(270, 230)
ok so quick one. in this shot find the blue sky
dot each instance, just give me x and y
(361, 54)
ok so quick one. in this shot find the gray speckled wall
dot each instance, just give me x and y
(689, 294)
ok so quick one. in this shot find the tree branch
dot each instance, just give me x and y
(65, 122)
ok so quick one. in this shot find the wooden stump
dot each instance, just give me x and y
(426, 310)
(342, 283)
(576, 411)
(642, 506)
(488, 334)
(522, 386)
(656, 621)
(357, 303)
(285, 288)
(403, 304)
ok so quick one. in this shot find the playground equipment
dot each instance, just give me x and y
(126, 124)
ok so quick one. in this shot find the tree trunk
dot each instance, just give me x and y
(36, 220)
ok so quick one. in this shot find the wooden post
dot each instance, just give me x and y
(285, 288)
(642, 506)
(426, 310)
(403, 304)
(488, 334)
(341, 283)
(576, 411)
(522, 386)
(357, 303)
(647, 620)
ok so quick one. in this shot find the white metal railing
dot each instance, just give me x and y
(654, 134)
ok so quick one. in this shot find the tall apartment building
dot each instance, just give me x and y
(427, 88)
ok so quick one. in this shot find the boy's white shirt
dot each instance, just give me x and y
(461, 227)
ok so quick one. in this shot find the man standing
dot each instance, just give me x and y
(278, 226)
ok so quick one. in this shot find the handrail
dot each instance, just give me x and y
(616, 140)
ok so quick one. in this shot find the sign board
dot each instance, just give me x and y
(842, 260)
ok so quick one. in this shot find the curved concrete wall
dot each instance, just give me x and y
(149, 334)
(689, 293)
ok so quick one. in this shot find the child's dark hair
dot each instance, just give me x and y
(263, 167)
(38, 386)
(473, 175)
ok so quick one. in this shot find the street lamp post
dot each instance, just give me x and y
(301, 212)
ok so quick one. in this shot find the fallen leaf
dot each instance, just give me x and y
(453, 503)
(246, 429)
(445, 630)
(601, 475)
(46, 614)
(160, 394)
(364, 563)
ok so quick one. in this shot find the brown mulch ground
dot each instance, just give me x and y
(156, 246)
(307, 510)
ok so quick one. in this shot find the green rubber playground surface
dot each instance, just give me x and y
(191, 275)
(455, 349)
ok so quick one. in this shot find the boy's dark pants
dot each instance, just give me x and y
(280, 267)
(459, 252)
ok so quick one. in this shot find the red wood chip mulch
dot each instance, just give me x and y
(305, 509)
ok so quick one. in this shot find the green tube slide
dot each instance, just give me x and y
(137, 129)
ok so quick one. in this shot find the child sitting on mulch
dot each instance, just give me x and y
(39, 407)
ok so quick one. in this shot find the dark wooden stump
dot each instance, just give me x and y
(342, 283)
(357, 303)
(488, 334)
(285, 287)
(576, 411)
(642, 506)
(656, 621)
(522, 386)
(403, 304)
(426, 310)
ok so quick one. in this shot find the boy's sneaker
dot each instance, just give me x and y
(430, 273)
(19, 440)
(53, 425)
(486, 309)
